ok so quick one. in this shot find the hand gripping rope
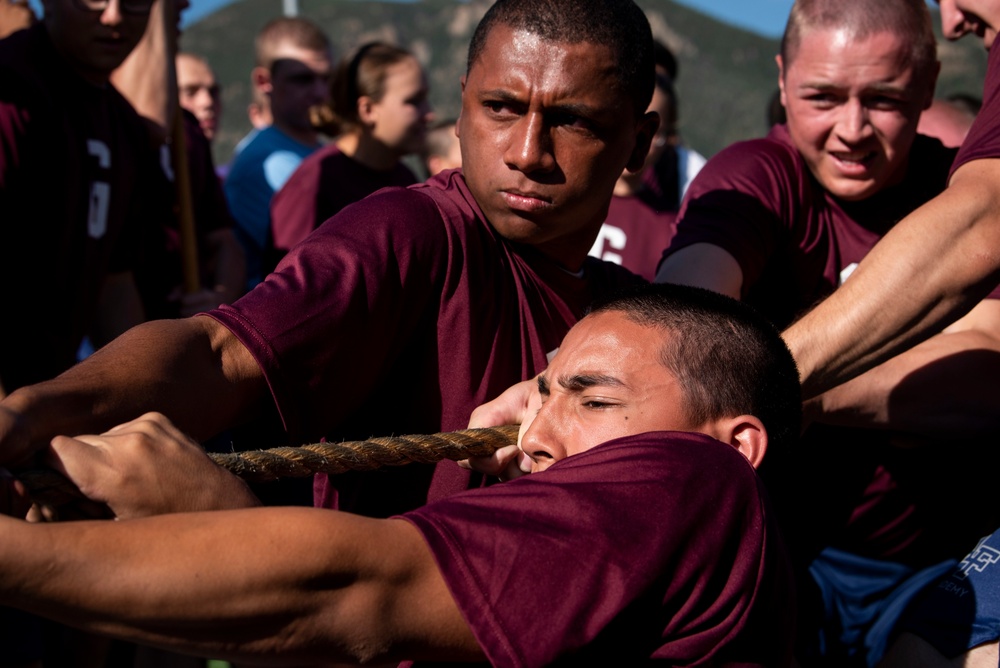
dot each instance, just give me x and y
(296, 462)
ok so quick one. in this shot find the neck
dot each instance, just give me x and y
(570, 252)
(367, 150)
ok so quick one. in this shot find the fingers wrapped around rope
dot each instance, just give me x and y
(331, 458)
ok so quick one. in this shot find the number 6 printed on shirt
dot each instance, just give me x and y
(100, 191)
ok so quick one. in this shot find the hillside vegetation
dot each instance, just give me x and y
(726, 75)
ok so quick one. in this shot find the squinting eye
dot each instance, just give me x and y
(571, 121)
(822, 99)
(885, 103)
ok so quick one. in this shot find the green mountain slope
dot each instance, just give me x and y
(726, 75)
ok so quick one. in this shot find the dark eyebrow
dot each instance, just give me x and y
(579, 382)
(570, 108)
(499, 94)
(543, 386)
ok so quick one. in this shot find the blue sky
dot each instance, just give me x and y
(766, 17)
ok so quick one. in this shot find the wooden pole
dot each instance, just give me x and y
(148, 79)
(170, 15)
(185, 209)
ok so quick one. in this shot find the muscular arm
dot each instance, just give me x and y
(271, 584)
(929, 270)
(946, 386)
(706, 266)
(193, 370)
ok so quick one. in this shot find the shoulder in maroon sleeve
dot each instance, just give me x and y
(983, 140)
(658, 546)
(742, 199)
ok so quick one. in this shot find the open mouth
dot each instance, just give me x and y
(853, 162)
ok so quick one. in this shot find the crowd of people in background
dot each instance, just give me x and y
(555, 256)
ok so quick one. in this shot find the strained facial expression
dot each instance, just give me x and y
(546, 130)
(853, 107)
(605, 382)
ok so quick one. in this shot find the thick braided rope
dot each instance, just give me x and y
(333, 458)
(296, 462)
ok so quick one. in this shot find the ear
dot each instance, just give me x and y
(746, 433)
(781, 79)
(260, 78)
(367, 110)
(644, 133)
(458, 121)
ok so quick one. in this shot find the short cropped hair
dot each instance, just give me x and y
(288, 30)
(619, 24)
(728, 359)
(910, 19)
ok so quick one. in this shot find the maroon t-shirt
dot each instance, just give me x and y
(758, 201)
(321, 186)
(400, 315)
(983, 140)
(655, 547)
(636, 232)
(78, 180)
(794, 241)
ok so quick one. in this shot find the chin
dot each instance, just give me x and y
(854, 192)
(515, 228)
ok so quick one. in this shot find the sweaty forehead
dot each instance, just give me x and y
(518, 57)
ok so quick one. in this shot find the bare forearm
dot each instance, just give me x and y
(280, 585)
(928, 271)
(187, 369)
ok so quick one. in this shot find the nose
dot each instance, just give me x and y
(530, 148)
(853, 125)
(953, 23)
(204, 100)
(540, 441)
(112, 14)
